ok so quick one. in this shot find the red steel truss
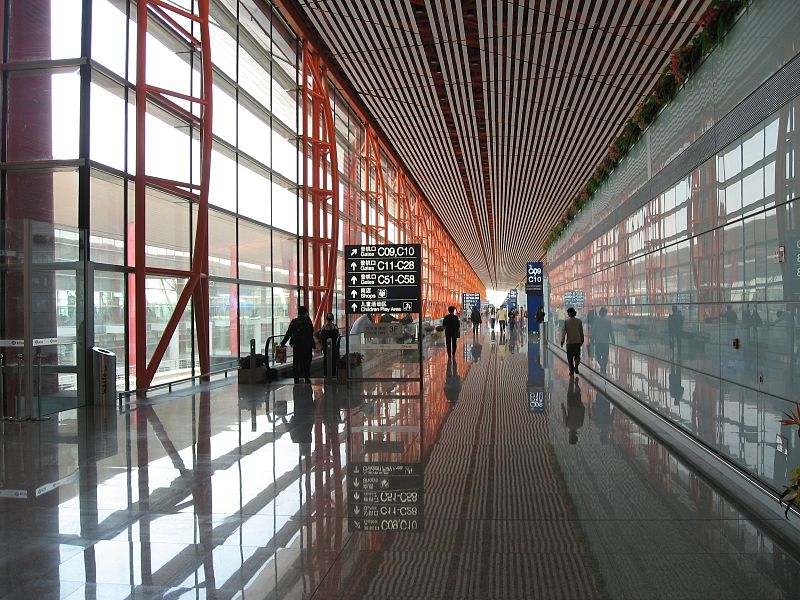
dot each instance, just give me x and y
(405, 215)
(375, 216)
(184, 23)
(321, 189)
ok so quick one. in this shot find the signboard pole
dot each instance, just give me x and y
(347, 347)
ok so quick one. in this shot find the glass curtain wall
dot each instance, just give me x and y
(702, 287)
(69, 164)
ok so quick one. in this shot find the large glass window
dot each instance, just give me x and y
(108, 35)
(255, 111)
(284, 258)
(255, 262)
(107, 122)
(107, 239)
(43, 115)
(255, 316)
(44, 29)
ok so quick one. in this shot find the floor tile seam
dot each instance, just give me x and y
(451, 576)
(348, 541)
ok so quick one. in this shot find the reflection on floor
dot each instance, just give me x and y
(741, 423)
(502, 479)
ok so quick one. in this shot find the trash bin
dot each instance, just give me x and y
(104, 377)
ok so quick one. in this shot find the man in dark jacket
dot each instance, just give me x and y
(452, 330)
(573, 335)
(475, 317)
(300, 335)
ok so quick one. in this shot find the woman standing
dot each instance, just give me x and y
(329, 331)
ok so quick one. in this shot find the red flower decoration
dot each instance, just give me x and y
(676, 65)
(793, 419)
(709, 18)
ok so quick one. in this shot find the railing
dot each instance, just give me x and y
(143, 391)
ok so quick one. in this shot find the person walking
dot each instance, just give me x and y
(730, 315)
(492, 317)
(300, 336)
(512, 319)
(602, 335)
(574, 412)
(675, 329)
(329, 331)
(540, 316)
(573, 335)
(452, 331)
(502, 317)
(475, 317)
(561, 316)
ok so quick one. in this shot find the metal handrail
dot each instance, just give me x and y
(169, 384)
(269, 349)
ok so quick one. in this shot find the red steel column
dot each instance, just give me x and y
(196, 287)
(320, 190)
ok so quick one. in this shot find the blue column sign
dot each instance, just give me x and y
(534, 288)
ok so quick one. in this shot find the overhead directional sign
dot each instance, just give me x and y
(470, 300)
(511, 298)
(534, 278)
(385, 278)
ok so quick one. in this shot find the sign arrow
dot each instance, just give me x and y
(354, 279)
(354, 251)
(356, 495)
(357, 482)
(354, 305)
(353, 294)
(353, 265)
(357, 510)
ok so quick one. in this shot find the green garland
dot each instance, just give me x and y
(715, 24)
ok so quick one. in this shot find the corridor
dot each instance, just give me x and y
(511, 481)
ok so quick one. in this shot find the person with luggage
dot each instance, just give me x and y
(300, 336)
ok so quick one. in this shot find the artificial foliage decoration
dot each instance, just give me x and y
(793, 419)
(715, 24)
(791, 492)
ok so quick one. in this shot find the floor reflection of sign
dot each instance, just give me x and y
(781, 444)
(793, 264)
(385, 497)
(384, 278)
(536, 401)
(575, 298)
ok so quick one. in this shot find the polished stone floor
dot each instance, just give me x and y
(501, 478)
